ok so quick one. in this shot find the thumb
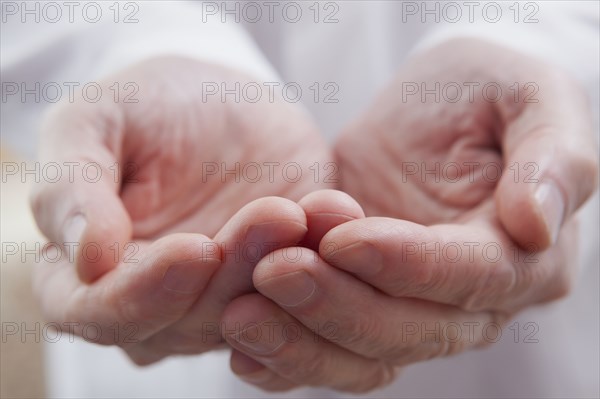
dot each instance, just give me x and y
(79, 208)
(551, 163)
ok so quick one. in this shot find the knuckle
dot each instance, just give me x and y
(297, 365)
(188, 343)
(382, 374)
(561, 283)
(450, 347)
(311, 368)
(133, 312)
(532, 275)
(142, 357)
(496, 283)
(442, 349)
(421, 281)
(146, 316)
(363, 332)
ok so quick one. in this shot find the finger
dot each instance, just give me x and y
(257, 229)
(361, 319)
(256, 374)
(551, 165)
(260, 329)
(474, 267)
(156, 287)
(324, 210)
(82, 205)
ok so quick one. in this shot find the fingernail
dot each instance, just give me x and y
(188, 277)
(361, 258)
(74, 228)
(260, 338)
(290, 289)
(552, 206)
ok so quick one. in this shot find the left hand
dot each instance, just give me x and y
(474, 251)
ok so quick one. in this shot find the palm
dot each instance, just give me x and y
(181, 149)
(429, 162)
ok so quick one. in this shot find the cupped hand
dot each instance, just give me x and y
(468, 124)
(499, 241)
(150, 211)
(450, 245)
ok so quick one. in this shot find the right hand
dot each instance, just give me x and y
(159, 276)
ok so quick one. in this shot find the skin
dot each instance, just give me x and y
(370, 279)
(183, 235)
(354, 272)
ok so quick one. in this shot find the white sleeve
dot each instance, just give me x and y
(102, 36)
(185, 28)
(564, 33)
(48, 44)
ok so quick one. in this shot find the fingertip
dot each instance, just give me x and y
(271, 219)
(343, 235)
(326, 209)
(331, 201)
(283, 261)
(274, 208)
